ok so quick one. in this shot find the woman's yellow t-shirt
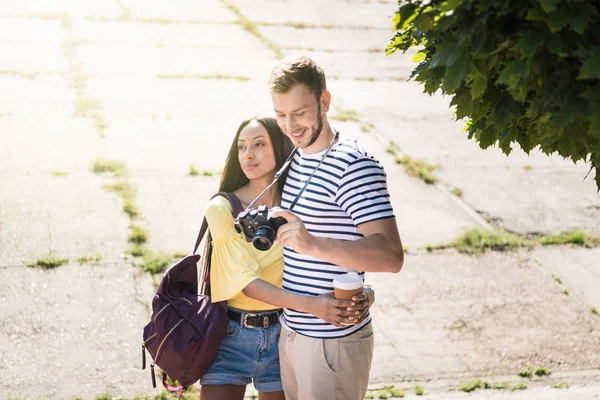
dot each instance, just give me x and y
(235, 262)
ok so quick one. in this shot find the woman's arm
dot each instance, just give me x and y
(325, 307)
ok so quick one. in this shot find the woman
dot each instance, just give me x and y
(249, 279)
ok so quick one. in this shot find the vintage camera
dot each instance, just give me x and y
(259, 226)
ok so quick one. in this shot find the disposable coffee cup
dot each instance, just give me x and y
(347, 285)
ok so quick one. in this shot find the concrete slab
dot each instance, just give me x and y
(72, 332)
(170, 146)
(359, 64)
(577, 268)
(175, 62)
(173, 208)
(29, 31)
(44, 144)
(38, 58)
(139, 33)
(57, 8)
(452, 315)
(373, 14)
(68, 216)
(47, 96)
(126, 97)
(185, 10)
(321, 39)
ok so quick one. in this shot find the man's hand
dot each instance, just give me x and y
(294, 233)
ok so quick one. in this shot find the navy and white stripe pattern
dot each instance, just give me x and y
(347, 190)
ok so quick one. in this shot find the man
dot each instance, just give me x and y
(342, 221)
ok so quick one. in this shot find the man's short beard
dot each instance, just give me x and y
(316, 131)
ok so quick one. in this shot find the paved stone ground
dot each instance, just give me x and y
(159, 86)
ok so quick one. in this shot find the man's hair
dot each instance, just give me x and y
(298, 69)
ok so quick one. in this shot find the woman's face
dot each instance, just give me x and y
(255, 152)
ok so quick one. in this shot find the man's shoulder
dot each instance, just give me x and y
(352, 150)
(356, 156)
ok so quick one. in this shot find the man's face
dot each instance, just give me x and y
(299, 115)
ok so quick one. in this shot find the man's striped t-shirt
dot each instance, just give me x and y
(348, 189)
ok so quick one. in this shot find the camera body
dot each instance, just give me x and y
(259, 226)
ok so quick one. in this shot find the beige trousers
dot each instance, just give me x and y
(327, 369)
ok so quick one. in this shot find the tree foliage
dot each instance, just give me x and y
(525, 71)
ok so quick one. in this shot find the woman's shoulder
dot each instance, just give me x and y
(218, 206)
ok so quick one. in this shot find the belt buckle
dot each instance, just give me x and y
(265, 320)
(246, 320)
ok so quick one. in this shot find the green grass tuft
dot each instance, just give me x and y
(476, 241)
(101, 166)
(85, 260)
(457, 192)
(366, 128)
(519, 386)
(193, 171)
(137, 251)
(49, 261)
(137, 235)
(578, 238)
(557, 279)
(561, 386)
(59, 173)
(121, 188)
(418, 169)
(207, 172)
(594, 311)
(526, 372)
(346, 115)
(419, 390)
(471, 385)
(130, 208)
(542, 371)
(392, 148)
(157, 262)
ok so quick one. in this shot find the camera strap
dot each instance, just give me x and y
(337, 135)
(285, 166)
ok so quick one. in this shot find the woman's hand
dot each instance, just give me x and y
(336, 312)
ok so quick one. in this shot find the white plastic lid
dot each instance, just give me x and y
(348, 281)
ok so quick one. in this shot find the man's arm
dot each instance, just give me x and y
(325, 307)
(380, 250)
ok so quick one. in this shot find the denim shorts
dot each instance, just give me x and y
(247, 355)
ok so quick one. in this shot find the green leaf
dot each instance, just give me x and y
(478, 86)
(450, 5)
(424, 22)
(590, 68)
(405, 15)
(487, 137)
(529, 43)
(595, 126)
(536, 13)
(556, 21)
(456, 73)
(512, 74)
(420, 56)
(463, 105)
(548, 5)
(579, 16)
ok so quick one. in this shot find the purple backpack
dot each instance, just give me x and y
(186, 328)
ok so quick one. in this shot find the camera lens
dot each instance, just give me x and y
(264, 238)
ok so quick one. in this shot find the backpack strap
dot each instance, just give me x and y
(236, 206)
